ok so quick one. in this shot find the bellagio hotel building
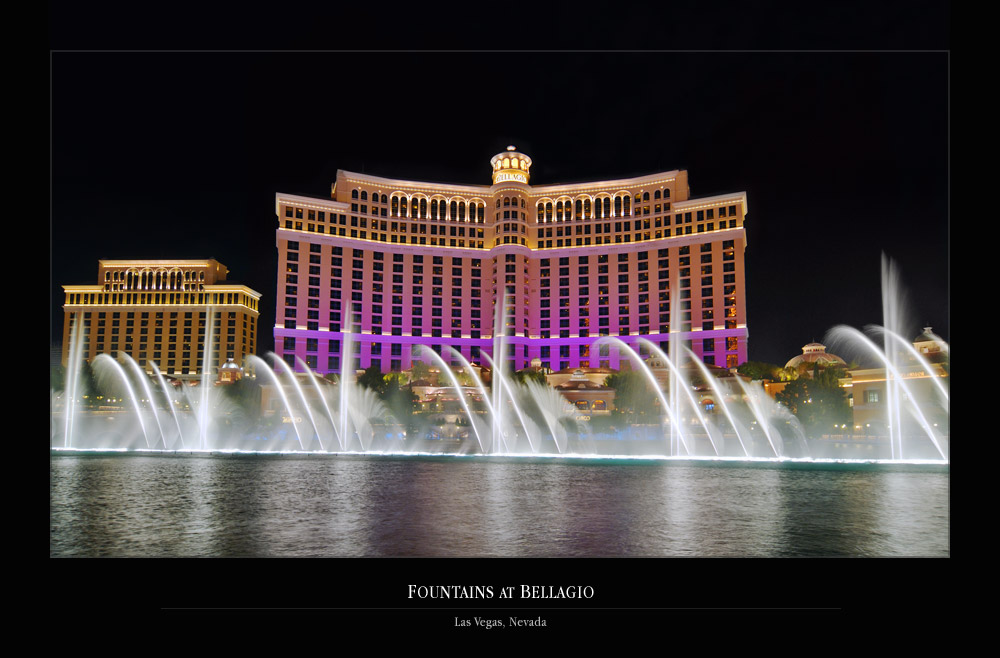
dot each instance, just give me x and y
(162, 311)
(403, 263)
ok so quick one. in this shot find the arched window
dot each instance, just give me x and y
(559, 210)
(434, 209)
(645, 196)
(461, 210)
(402, 206)
(423, 207)
(384, 199)
(395, 206)
(506, 201)
(548, 211)
(618, 206)
(656, 194)
(666, 193)
(454, 209)
(607, 206)
(579, 208)
(354, 194)
(586, 209)
(628, 205)
(364, 195)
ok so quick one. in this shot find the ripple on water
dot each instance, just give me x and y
(258, 505)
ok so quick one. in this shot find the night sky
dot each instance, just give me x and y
(843, 156)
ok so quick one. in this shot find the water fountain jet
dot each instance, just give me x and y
(302, 397)
(667, 407)
(281, 391)
(115, 367)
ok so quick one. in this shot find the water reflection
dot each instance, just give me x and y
(424, 508)
(364, 506)
(700, 503)
(901, 524)
(836, 507)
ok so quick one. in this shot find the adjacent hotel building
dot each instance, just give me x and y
(403, 263)
(160, 311)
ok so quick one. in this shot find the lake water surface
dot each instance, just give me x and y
(290, 506)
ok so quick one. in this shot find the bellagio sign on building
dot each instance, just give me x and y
(402, 263)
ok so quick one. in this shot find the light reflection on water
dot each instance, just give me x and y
(127, 505)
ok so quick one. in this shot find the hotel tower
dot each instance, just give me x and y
(400, 264)
(160, 311)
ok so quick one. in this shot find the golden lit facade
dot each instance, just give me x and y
(406, 263)
(160, 311)
(868, 388)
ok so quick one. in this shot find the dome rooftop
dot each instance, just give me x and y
(815, 353)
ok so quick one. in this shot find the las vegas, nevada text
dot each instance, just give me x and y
(509, 592)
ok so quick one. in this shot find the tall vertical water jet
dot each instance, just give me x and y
(673, 344)
(71, 387)
(499, 358)
(893, 304)
(206, 377)
(346, 381)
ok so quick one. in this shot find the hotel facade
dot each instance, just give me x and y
(157, 311)
(400, 264)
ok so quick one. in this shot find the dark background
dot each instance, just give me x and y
(843, 156)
